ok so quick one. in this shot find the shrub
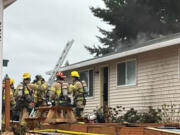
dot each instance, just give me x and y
(132, 116)
(115, 115)
(152, 116)
(169, 113)
(109, 114)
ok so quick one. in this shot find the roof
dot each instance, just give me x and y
(6, 3)
(134, 49)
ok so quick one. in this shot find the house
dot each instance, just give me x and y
(143, 75)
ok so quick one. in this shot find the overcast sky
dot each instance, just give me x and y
(36, 31)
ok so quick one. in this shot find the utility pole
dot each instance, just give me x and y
(1, 57)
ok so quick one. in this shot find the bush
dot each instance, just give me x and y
(132, 116)
(109, 114)
(115, 115)
(152, 116)
(170, 113)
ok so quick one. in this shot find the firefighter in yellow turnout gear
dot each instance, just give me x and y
(40, 89)
(24, 97)
(12, 100)
(78, 93)
(56, 89)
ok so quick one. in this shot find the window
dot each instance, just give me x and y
(87, 76)
(126, 73)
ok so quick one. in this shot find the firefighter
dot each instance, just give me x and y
(24, 95)
(56, 92)
(77, 89)
(40, 90)
(12, 99)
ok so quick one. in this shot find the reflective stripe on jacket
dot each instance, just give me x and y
(39, 91)
(56, 89)
(12, 99)
(77, 89)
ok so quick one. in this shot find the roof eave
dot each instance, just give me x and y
(123, 54)
(7, 3)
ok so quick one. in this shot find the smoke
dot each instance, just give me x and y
(141, 38)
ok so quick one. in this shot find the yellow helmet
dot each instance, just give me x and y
(26, 75)
(11, 81)
(75, 74)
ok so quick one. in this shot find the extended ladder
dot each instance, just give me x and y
(60, 62)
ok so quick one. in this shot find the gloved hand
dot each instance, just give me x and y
(31, 105)
(49, 103)
(39, 82)
(66, 84)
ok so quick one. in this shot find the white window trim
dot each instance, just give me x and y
(126, 85)
(87, 70)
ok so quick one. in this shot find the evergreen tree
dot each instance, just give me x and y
(135, 21)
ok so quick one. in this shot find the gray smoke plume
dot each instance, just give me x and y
(141, 38)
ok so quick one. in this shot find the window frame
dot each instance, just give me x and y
(125, 61)
(88, 70)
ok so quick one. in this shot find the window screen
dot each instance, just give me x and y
(87, 76)
(131, 72)
(84, 76)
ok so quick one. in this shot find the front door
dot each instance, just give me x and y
(105, 86)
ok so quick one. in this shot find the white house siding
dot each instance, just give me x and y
(93, 102)
(157, 81)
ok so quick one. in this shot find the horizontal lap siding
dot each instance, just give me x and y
(93, 102)
(157, 81)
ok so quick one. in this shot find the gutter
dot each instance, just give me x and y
(7, 3)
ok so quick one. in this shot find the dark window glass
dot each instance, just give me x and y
(91, 83)
(121, 77)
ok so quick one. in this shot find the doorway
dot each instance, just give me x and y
(105, 86)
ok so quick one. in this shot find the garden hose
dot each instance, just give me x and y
(63, 131)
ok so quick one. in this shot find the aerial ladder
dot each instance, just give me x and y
(60, 62)
(56, 68)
